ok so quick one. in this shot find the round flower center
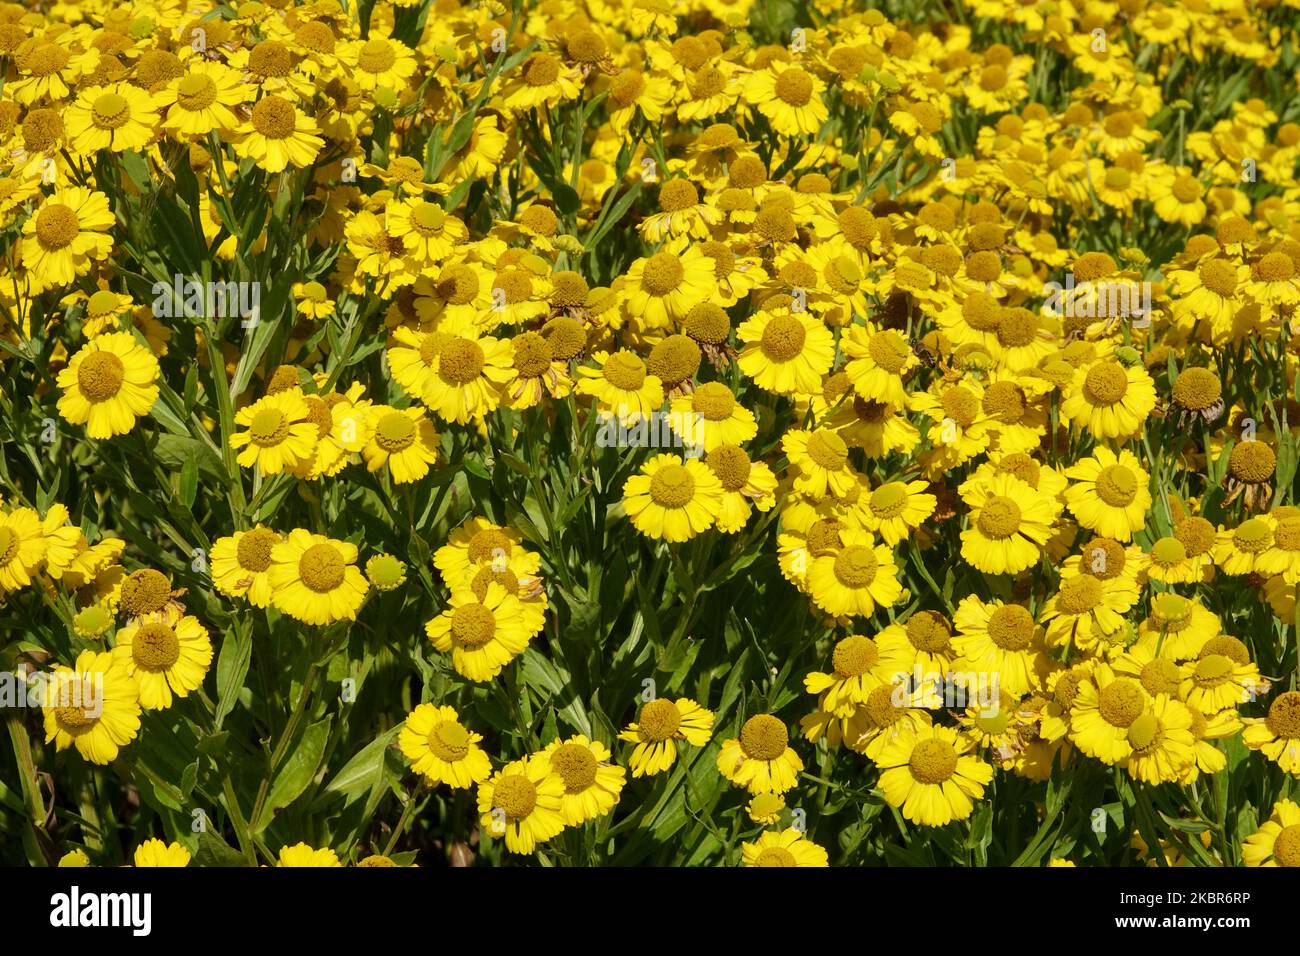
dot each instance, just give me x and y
(1168, 552)
(1172, 610)
(1287, 536)
(458, 285)
(395, 432)
(659, 720)
(488, 545)
(144, 592)
(1011, 627)
(47, 59)
(1160, 676)
(195, 92)
(672, 486)
(928, 632)
(780, 856)
(74, 718)
(1121, 702)
(586, 46)
(56, 225)
(933, 761)
(959, 405)
(472, 625)
(1118, 178)
(1219, 277)
(994, 724)
(155, 647)
(764, 737)
(1227, 646)
(322, 568)
(794, 86)
(429, 217)
(100, 375)
(731, 465)
(889, 350)
(1023, 467)
(516, 795)
(575, 765)
(460, 361)
(1286, 848)
(1196, 534)
(449, 741)
(274, 117)
(1252, 462)
(856, 566)
(532, 355)
(1117, 486)
(707, 323)
(1105, 383)
(1275, 267)
(678, 194)
(542, 69)
(993, 78)
(999, 518)
(828, 450)
(1213, 669)
(880, 709)
(1283, 718)
(854, 656)
(1005, 402)
(110, 111)
(662, 273)
(486, 575)
(674, 360)
(889, 500)
(1143, 732)
(377, 56)
(714, 401)
(270, 426)
(823, 535)
(1079, 595)
(1252, 536)
(783, 338)
(1186, 189)
(625, 370)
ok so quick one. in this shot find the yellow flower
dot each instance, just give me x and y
(672, 499)
(930, 775)
(1010, 521)
(70, 228)
(279, 136)
(315, 579)
(790, 97)
(523, 803)
(658, 727)
(1109, 399)
(761, 758)
(591, 783)
(783, 848)
(23, 548)
(241, 562)
(109, 384)
(167, 657)
(111, 118)
(785, 352)
(482, 634)
(1277, 841)
(1111, 493)
(404, 439)
(300, 854)
(94, 706)
(203, 100)
(442, 749)
(157, 853)
(853, 577)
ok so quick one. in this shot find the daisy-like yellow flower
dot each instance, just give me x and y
(1105, 707)
(404, 440)
(157, 853)
(896, 509)
(591, 783)
(302, 854)
(203, 99)
(854, 577)
(783, 848)
(878, 362)
(240, 565)
(930, 775)
(523, 803)
(468, 375)
(167, 657)
(622, 386)
(1003, 639)
(312, 300)
(662, 289)
(761, 758)
(820, 459)
(69, 230)
(1222, 676)
(785, 352)
(111, 118)
(23, 548)
(1010, 522)
(1110, 399)
(315, 579)
(789, 97)
(657, 729)
(440, 747)
(108, 385)
(478, 544)
(1277, 735)
(1162, 741)
(712, 409)
(1277, 841)
(93, 706)
(279, 135)
(279, 435)
(1250, 548)
(746, 485)
(1110, 493)
(856, 667)
(673, 499)
(484, 634)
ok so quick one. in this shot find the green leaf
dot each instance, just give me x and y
(298, 771)
(365, 770)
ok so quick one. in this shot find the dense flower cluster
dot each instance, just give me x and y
(976, 343)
